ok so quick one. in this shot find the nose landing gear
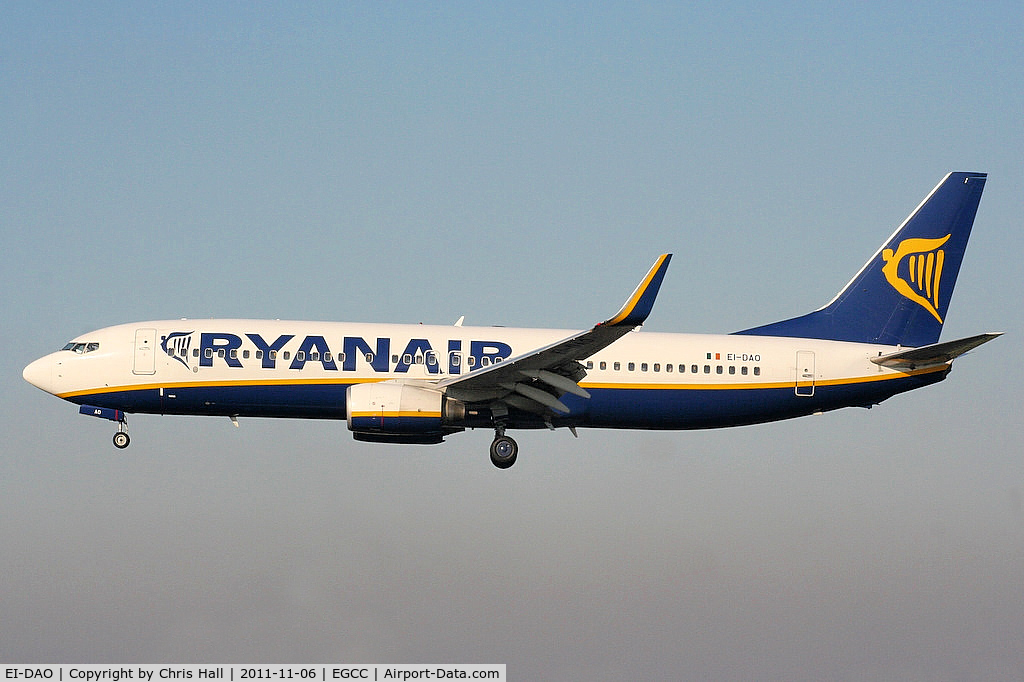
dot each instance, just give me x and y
(121, 438)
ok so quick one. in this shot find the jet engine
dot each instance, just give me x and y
(387, 412)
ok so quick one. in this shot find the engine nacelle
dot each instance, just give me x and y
(385, 412)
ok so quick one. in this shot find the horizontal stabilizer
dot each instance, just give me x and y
(934, 354)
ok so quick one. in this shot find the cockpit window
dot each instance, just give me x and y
(78, 347)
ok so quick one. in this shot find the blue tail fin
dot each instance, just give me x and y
(901, 295)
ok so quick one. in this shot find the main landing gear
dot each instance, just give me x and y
(503, 449)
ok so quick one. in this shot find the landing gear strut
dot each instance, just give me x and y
(503, 449)
(121, 438)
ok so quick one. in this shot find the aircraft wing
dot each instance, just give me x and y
(933, 354)
(533, 381)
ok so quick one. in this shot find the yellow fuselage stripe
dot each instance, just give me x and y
(749, 386)
(391, 415)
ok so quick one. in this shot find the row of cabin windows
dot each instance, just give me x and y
(668, 367)
(456, 360)
(430, 359)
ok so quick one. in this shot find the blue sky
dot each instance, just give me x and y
(519, 165)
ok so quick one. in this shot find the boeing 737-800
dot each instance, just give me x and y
(405, 383)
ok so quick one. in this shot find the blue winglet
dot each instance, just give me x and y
(641, 302)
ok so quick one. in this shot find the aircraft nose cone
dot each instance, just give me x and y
(40, 374)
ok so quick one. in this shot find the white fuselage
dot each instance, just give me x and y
(302, 369)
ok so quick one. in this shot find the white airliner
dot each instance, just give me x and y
(403, 383)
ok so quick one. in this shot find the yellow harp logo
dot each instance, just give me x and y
(919, 281)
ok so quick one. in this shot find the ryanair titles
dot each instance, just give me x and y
(381, 354)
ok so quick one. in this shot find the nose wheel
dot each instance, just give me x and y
(503, 450)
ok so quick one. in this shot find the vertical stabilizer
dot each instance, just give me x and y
(901, 295)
